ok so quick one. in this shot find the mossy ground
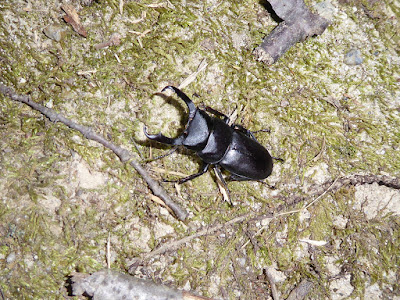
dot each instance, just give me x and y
(52, 223)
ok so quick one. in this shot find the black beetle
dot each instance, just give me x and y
(232, 147)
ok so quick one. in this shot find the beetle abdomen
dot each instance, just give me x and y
(247, 159)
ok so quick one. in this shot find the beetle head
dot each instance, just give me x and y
(197, 128)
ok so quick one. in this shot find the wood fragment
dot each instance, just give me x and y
(223, 188)
(141, 19)
(121, 6)
(313, 242)
(114, 40)
(157, 5)
(73, 19)
(123, 154)
(109, 251)
(298, 24)
(202, 66)
(318, 156)
(271, 281)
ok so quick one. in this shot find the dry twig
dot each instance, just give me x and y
(174, 245)
(317, 192)
(123, 154)
(114, 40)
(338, 183)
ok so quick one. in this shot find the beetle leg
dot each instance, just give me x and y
(182, 180)
(233, 177)
(217, 113)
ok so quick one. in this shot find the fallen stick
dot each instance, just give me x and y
(123, 154)
(298, 24)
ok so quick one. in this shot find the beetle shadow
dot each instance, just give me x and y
(179, 106)
(268, 7)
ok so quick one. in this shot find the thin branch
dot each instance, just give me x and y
(317, 192)
(123, 154)
(174, 245)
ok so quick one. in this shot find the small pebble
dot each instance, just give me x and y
(11, 257)
(326, 9)
(54, 32)
(285, 103)
(353, 57)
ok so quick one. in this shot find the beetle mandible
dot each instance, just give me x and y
(232, 147)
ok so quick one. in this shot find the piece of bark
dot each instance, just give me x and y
(298, 24)
(73, 19)
(123, 154)
(112, 285)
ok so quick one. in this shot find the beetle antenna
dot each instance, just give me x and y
(163, 155)
(204, 169)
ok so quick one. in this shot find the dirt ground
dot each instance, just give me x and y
(70, 205)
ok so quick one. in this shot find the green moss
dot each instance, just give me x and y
(360, 136)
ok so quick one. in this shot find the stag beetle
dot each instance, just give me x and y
(232, 147)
